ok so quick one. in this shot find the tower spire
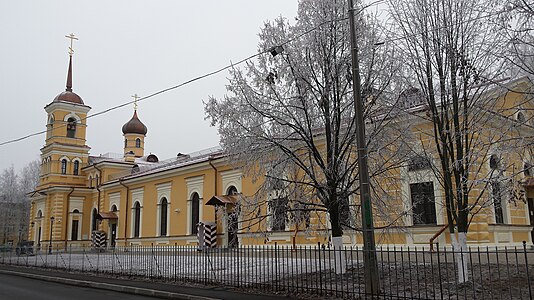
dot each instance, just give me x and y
(69, 76)
(72, 37)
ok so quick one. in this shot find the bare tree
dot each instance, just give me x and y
(449, 49)
(518, 32)
(29, 177)
(14, 202)
(288, 119)
(28, 181)
(9, 196)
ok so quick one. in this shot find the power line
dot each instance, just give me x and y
(249, 58)
(176, 86)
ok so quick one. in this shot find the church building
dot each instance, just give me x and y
(137, 199)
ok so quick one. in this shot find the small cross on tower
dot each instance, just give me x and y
(135, 101)
(72, 38)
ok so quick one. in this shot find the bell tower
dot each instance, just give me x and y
(134, 132)
(65, 151)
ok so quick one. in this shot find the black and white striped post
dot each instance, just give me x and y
(210, 235)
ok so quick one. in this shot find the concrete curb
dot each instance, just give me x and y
(110, 287)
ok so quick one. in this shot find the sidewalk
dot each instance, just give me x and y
(137, 287)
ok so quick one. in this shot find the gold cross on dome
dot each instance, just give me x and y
(135, 100)
(72, 38)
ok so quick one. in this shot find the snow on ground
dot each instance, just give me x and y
(221, 266)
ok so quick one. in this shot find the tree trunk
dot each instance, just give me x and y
(460, 253)
(337, 239)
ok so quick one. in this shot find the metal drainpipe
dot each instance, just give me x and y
(67, 218)
(98, 188)
(126, 212)
(215, 185)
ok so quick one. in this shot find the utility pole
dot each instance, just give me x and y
(372, 283)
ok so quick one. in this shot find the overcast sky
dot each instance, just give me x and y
(124, 47)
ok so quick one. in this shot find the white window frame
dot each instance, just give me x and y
(137, 196)
(163, 191)
(419, 176)
(194, 185)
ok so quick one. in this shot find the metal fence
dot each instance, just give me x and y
(405, 273)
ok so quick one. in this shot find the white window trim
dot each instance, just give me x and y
(410, 177)
(158, 217)
(79, 216)
(163, 191)
(92, 219)
(501, 173)
(114, 199)
(75, 203)
(506, 214)
(137, 196)
(39, 206)
(194, 185)
(231, 177)
(72, 115)
(274, 194)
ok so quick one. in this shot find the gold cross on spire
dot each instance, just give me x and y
(72, 38)
(135, 101)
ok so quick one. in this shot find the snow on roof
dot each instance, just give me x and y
(143, 168)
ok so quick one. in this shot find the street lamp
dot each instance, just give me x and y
(51, 225)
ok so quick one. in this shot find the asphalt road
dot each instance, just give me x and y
(22, 288)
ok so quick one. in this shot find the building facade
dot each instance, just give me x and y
(138, 199)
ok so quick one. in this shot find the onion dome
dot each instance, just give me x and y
(134, 126)
(68, 95)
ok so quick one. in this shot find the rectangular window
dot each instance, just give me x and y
(423, 203)
(74, 230)
(278, 209)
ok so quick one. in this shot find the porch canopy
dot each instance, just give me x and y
(107, 215)
(222, 200)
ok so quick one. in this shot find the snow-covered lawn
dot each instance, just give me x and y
(307, 271)
(231, 266)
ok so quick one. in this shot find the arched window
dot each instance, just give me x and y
(195, 209)
(51, 120)
(97, 183)
(94, 220)
(71, 127)
(137, 143)
(125, 143)
(114, 208)
(232, 190)
(91, 181)
(137, 219)
(39, 214)
(64, 166)
(75, 211)
(163, 217)
(76, 169)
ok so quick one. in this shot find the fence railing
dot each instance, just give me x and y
(405, 273)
